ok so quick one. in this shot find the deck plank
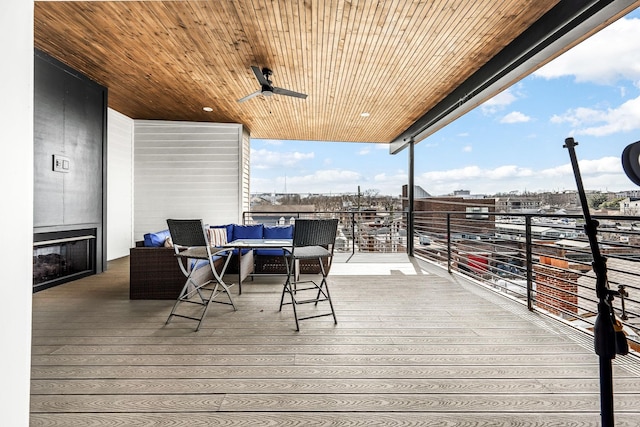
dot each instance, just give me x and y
(326, 419)
(401, 355)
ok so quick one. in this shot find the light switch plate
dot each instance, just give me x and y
(61, 164)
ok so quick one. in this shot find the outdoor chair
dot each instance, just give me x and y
(313, 239)
(193, 251)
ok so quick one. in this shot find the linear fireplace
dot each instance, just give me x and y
(62, 256)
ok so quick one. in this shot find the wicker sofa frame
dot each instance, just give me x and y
(154, 271)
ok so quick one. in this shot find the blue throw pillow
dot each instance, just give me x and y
(247, 231)
(278, 232)
(156, 240)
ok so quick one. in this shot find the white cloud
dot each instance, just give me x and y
(587, 167)
(264, 159)
(400, 177)
(597, 174)
(515, 117)
(509, 171)
(467, 148)
(593, 122)
(498, 102)
(364, 151)
(333, 180)
(391, 183)
(476, 172)
(604, 58)
(600, 174)
(276, 142)
(339, 181)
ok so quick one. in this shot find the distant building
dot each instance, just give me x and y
(418, 192)
(630, 206)
(430, 213)
(629, 193)
(561, 200)
(518, 204)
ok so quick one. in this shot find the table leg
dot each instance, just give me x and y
(239, 271)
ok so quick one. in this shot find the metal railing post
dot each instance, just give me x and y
(529, 255)
(353, 233)
(449, 242)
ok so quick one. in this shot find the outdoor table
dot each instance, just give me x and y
(241, 244)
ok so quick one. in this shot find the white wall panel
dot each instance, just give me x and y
(187, 170)
(17, 177)
(119, 185)
(246, 171)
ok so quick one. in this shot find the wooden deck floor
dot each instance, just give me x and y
(411, 348)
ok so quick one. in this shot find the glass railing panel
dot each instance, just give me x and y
(358, 231)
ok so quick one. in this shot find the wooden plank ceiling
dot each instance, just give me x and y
(393, 59)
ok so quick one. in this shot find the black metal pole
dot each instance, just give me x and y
(604, 332)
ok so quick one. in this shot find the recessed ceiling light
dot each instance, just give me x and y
(207, 109)
(364, 114)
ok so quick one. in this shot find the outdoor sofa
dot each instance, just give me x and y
(155, 274)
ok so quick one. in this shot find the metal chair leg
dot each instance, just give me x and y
(291, 287)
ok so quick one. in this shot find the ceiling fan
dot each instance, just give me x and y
(268, 89)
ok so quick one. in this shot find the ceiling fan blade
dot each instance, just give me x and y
(287, 92)
(258, 72)
(250, 96)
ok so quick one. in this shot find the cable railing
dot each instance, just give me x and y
(541, 260)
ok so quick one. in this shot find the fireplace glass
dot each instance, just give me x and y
(63, 256)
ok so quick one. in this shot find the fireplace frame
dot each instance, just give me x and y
(70, 263)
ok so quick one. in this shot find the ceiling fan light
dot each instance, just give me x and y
(267, 93)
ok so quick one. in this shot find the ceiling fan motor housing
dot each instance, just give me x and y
(266, 86)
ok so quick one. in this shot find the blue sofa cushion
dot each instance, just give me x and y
(247, 231)
(278, 232)
(270, 252)
(156, 240)
(275, 232)
(199, 263)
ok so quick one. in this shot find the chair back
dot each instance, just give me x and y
(315, 232)
(187, 232)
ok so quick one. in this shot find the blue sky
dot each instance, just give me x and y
(513, 142)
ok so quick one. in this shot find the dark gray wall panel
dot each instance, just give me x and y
(70, 114)
(48, 135)
(83, 128)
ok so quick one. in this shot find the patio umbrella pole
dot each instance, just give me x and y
(609, 339)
